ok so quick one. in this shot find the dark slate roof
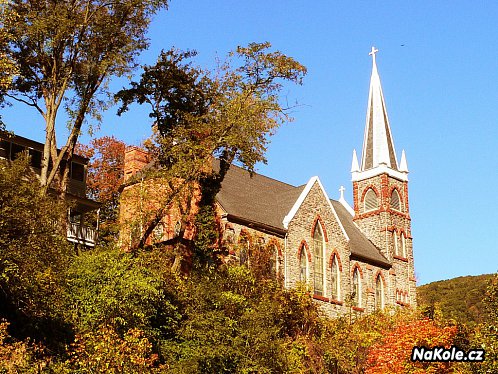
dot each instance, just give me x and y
(257, 199)
(359, 245)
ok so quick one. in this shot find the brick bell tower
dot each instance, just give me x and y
(380, 194)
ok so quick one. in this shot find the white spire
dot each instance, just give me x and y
(378, 145)
(354, 164)
(403, 166)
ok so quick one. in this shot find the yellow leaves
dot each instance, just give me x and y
(17, 357)
(104, 351)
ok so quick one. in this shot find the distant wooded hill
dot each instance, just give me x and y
(458, 298)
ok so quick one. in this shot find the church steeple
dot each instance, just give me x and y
(378, 145)
(380, 195)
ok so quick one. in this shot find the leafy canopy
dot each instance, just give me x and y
(228, 114)
(64, 53)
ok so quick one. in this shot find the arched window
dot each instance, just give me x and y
(303, 266)
(318, 260)
(335, 279)
(356, 288)
(403, 245)
(395, 200)
(396, 244)
(379, 293)
(371, 202)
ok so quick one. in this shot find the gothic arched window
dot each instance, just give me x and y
(403, 245)
(335, 279)
(356, 288)
(379, 293)
(318, 260)
(395, 200)
(371, 202)
(396, 243)
(303, 266)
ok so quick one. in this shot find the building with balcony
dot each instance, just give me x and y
(79, 230)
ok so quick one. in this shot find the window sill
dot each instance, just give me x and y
(402, 303)
(320, 297)
(358, 309)
(404, 259)
(337, 302)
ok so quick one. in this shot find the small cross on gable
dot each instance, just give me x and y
(341, 190)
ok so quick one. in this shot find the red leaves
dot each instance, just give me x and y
(392, 354)
(106, 167)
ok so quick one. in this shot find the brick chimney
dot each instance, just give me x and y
(135, 160)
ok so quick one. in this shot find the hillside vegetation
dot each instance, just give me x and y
(458, 298)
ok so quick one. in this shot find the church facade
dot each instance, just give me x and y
(356, 258)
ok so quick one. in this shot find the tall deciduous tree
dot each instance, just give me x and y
(65, 53)
(105, 176)
(228, 114)
(6, 66)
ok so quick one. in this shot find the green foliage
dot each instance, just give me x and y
(228, 114)
(459, 298)
(207, 235)
(110, 287)
(486, 334)
(234, 323)
(34, 254)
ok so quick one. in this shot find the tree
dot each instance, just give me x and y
(228, 114)
(392, 354)
(6, 66)
(105, 351)
(113, 288)
(486, 334)
(18, 356)
(65, 52)
(34, 254)
(105, 176)
(235, 323)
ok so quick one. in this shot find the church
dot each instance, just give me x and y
(356, 258)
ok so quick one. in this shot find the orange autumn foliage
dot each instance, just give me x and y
(392, 354)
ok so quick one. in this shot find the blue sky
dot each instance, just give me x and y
(438, 63)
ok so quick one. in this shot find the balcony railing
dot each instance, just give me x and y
(80, 234)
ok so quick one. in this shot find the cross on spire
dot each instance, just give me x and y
(372, 53)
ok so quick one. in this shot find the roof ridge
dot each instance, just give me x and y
(264, 176)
